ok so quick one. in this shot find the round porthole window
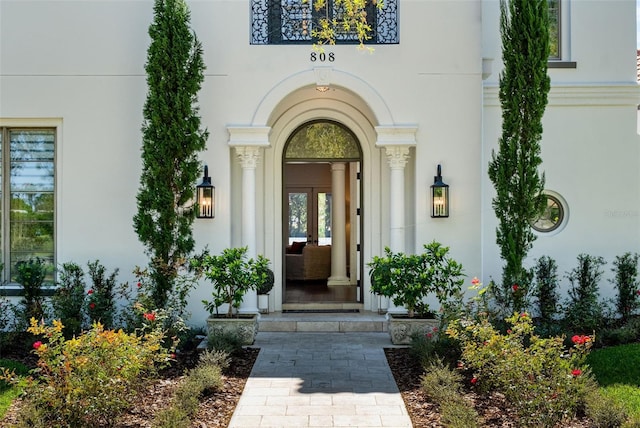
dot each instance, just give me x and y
(552, 217)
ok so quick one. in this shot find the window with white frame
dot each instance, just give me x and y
(27, 195)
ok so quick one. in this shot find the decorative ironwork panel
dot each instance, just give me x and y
(292, 21)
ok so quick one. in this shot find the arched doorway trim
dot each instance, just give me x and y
(337, 78)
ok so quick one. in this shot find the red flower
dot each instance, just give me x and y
(576, 372)
(429, 335)
(92, 305)
(37, 344)
(139, 284)
(150, 316)
(90, 292)
(172, 356)
(475, 281)
(638, 292)
(474, 380)
(434, 329)
(515, 287)
(580, 340)
(509, 331)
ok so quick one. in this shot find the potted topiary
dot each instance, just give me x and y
(409, 279)
(263, 292)
(232, 275)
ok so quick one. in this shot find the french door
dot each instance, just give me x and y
(309, 215)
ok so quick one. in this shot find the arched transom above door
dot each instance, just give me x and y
(322, 140)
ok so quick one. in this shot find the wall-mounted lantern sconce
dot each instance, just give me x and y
(439, 196)
(206, 197)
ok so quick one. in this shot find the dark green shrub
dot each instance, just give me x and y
(68, 301)
(31, 274)
(101, 302)
(625, 268)
(546, 293)
(584, 311)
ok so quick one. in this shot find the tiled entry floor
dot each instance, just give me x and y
(318, 292)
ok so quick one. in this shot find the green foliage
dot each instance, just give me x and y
(101, 296)
(409, 279)
(431, 346)
(140, 303)
(626, 283)
(584, 311)
(443, 385)
(206, 377)
(31, 274)
(227, 342)
(232, 276)
(266, 286)
(170, 143)
(68, 300)
(544, 385)
(546, 294)
(89, 380)
(603, 410)
(513, 170)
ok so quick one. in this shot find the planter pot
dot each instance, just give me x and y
(401, 327)
(244, 326)
(263, 303)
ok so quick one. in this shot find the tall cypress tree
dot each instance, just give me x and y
(524, 85)
(171, 141)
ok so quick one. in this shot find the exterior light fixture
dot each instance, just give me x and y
(322, 88)
(205, 197)
(439, 196)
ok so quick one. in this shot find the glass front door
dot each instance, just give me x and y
(309, 215)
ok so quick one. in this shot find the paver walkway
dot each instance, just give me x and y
(321, 380)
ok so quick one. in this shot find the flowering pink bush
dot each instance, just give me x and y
(542, 380)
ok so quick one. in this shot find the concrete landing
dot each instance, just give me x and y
(340, 322)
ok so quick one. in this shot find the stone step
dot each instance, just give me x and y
(320, 320)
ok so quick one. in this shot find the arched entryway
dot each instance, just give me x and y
(322, 221)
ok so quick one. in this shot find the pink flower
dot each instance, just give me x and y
(638, 292)
(576, 372)
(37, 344)
(475, 280)
(434, 329)
(474, 380)
(429, 335)
(172, 356)
(150, 316)
(509, 331)
(90, 292)
(92, 305)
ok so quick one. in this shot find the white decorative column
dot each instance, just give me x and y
(248, 143)
(338, 226)
(396, 141)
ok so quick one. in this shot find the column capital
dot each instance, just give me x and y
(397, 156)
(248, 156)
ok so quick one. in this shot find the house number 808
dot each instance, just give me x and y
(322, 57)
